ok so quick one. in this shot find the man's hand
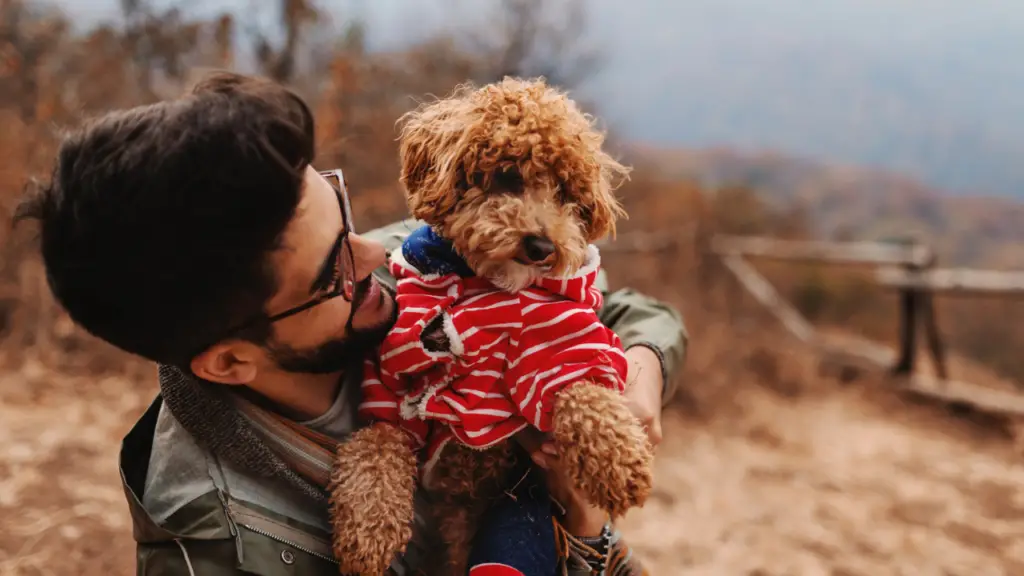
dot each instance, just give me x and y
(643, 390)
(643, 397)
(580, 518)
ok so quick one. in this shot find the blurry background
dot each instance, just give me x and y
(835, 119)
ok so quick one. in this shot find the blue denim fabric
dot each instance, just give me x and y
(432, 254)
(518, 531)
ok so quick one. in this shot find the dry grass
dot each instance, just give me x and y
(767, 468)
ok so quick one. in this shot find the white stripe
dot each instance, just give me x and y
(555, 320)
(531, 307)
(496, 440)
(473, 299)
(543, 296)
(430, 285)
(474, 329)
(471, 361)
(421, 323)
(500, 339)
(533, 386)
(501, 304)
(560, 380)
(483, 411)
(543, 345)
(412, 369)
(414, 310)
(478, 433)
(480, 394)
(440, 416)
(596, 346)
(396, 351)
(614, 379)
(379, 404)
(493, 373)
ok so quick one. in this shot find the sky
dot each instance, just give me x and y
(934, 88)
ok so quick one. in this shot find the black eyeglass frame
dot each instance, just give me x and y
(344, 284)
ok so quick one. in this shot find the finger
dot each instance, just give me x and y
(655, 433)
(550, 449)
(542, 460)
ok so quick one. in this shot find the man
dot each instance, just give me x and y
(196, 234)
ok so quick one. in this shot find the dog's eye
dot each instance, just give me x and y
(562, 192)
(585, 212)
(509, 180)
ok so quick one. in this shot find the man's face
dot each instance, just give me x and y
(331, 335)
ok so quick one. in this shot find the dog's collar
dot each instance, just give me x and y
(432, 254)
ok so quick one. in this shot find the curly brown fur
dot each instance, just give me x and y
(371, 493)
(464, 482)
(492, 166)
(493, 170)
(603, 448)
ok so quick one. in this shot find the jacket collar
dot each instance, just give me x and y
(205, 519)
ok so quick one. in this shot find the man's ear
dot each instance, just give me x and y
(232, 362)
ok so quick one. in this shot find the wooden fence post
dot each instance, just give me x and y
(906, 266)
(909, 304)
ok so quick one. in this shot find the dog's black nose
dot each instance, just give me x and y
(538, 248)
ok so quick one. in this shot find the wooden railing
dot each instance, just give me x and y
(909, 268)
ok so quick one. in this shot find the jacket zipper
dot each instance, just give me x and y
(292, 544)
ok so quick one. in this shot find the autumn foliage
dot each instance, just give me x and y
(52, 77)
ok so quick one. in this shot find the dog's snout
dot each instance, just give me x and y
(538, 248)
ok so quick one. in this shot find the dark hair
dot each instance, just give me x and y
(158, 222)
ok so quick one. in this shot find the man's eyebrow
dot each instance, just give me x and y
(326, 272)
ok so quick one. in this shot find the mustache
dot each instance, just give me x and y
(341, 353)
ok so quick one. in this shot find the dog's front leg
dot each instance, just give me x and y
(371, 497)
(604, 451)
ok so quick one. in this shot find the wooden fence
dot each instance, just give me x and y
(910, 269)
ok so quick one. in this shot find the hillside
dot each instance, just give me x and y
(860, 203)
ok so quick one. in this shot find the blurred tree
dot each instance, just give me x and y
(31, 38)
(538, 38)
(294, 18)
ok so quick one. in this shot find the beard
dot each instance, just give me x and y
(337, 354)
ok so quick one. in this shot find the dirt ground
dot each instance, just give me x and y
(832, 485)
(828, 480)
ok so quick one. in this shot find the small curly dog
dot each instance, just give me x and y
(497, 328)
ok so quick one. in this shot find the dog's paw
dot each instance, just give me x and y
(602, 446)
(371, 499)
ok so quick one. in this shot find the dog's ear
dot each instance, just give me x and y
(601, 209)
(428, 187)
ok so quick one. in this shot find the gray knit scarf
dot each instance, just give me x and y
(209, 414)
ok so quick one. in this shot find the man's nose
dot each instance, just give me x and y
(367, 254)
(538, 248)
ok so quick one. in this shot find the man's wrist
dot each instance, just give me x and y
(585, 521)
(660, 356)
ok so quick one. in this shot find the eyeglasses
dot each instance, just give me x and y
(338, 275)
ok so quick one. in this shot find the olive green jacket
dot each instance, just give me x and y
(206, 519)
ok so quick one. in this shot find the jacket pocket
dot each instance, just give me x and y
(266, 554)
